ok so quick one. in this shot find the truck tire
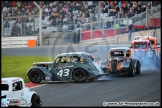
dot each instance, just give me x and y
(138, 68)
(131, 72)
(35, 100)
(35, 76)
(80, 75)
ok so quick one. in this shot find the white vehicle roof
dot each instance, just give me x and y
(10, 80)
(119, 49)
(72, 53)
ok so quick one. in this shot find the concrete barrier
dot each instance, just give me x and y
(147, 32)
(98, 40)
(123, 37)
(17, 42)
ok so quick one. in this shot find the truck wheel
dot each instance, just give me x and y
(80, 75)
(36, 102)
(35, 76)
(131, 72)
(138, 69)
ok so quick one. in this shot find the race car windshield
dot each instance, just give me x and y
(90, 57)
(4, 87)
(140, 45)
(151, 42)
(117, 53)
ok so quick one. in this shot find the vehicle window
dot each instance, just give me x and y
(65, 59)
(74, 59)
(117, 53)
(151, 42)
(4, 87)
(57, 60)
(140, 45)
(90, 57)
(81, 60)
(17, 86)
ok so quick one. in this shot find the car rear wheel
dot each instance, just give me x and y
(36, 102)
(35, 76)
(80, 75)
(138, 69)
(131, 72)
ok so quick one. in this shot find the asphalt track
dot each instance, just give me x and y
(145, 87)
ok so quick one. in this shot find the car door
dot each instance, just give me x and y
(62, 69)
(17, 93)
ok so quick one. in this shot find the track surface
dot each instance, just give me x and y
(141, 88)
(144, 87)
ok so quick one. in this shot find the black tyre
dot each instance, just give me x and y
(80, 75)
(138, 68)
(35, 76)
(131, 72)
(36, 102)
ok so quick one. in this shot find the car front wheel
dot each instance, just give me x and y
(36, 102)
(131, 72)
(138, 69)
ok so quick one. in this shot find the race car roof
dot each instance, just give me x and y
(120, 49)
(73, 53)
(11, 79)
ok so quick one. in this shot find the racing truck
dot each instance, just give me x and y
(72, 66)
(147, 50)
(120, 62)
(15, 93)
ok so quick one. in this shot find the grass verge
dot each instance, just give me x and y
(17, 66)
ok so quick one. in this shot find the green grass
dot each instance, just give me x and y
(17, 66)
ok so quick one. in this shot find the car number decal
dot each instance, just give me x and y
(63, 72)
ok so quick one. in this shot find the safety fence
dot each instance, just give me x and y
(18, 42)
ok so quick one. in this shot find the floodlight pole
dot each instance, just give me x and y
(40, 23)
(2, 24)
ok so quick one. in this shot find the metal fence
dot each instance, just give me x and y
(139, 17)
(103, 29)
(21, 26)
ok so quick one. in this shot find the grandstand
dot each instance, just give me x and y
(68, 16)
